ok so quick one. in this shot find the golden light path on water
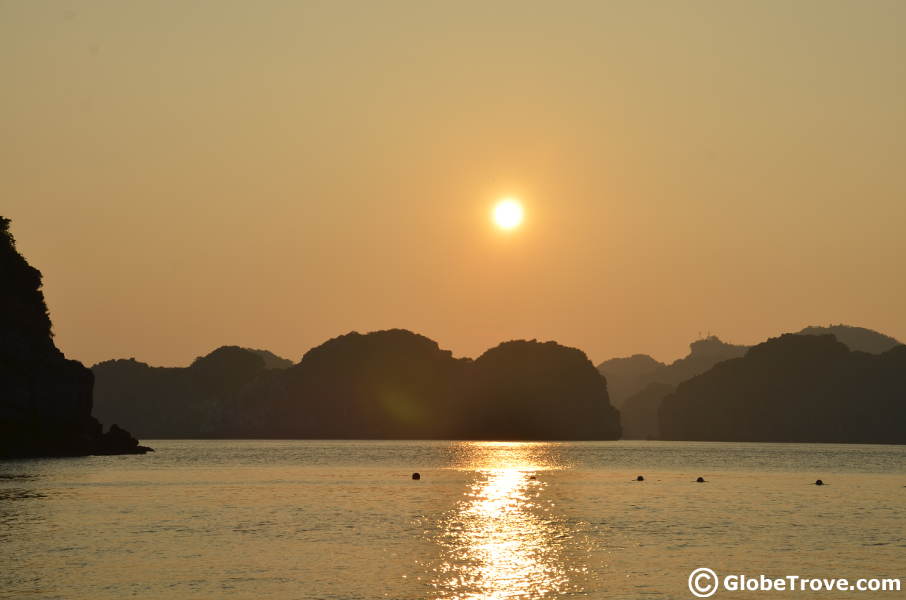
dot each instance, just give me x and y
(504, 539)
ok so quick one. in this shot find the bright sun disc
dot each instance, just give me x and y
(508, 214)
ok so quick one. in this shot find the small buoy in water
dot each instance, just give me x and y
(700, 480)
(819, 482)
(532, 477)
(416, 475)
(640, 478)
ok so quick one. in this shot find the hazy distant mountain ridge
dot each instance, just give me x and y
(628, 376)
(795, 388)
(639, 413)
(45, 399)
(856, 338)
(391, 384)
(638, 383)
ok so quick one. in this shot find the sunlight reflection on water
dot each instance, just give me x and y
(504, 539)
(276, 519)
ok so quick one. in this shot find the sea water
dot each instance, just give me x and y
(490, 520)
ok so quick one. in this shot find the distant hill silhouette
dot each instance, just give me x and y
(856, 338)
(391, 384)
(638, 383)
(628, 376)
(640, 412)
(45, 399)
(795, 388)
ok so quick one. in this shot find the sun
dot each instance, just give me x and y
(508, 213)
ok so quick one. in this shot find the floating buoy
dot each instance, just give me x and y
(819, 482)
(532, 478)
(640, 478)
(700, 480)
(416, 475)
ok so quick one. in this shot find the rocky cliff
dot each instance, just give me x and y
(45, 399)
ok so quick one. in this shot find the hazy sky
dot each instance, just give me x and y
(189, 174)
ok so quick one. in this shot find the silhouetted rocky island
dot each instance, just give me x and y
(385, 384)
(45, 399)
(533, 390)
(795, 388)
(391, 384)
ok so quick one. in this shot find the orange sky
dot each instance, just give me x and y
(272, 174)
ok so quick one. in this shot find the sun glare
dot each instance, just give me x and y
(508, 213)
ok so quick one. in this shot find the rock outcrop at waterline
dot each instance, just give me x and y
(391, 384)
(45, 399)
(795, 388)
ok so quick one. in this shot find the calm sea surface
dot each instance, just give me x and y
(343, 519)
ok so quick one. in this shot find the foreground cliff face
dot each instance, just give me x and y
(795, 388)
(45, 399)
(391, 384)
